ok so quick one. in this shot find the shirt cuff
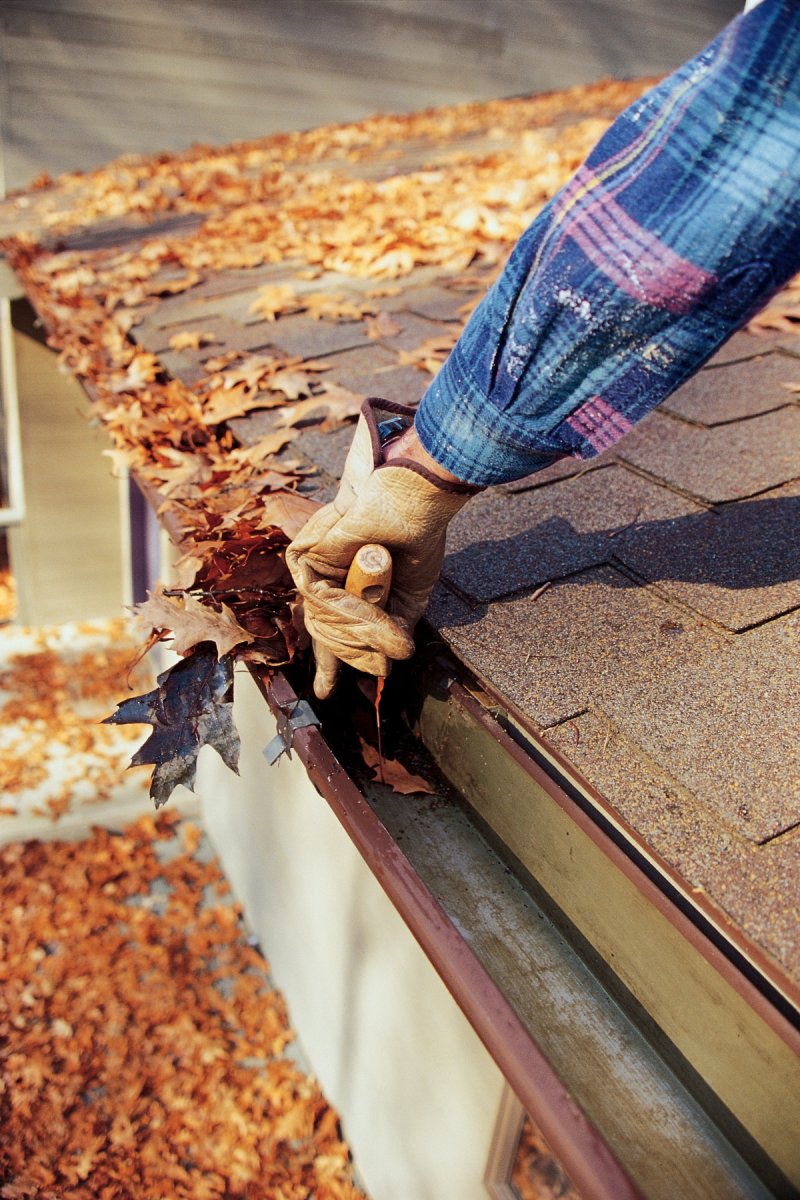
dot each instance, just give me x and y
(464, 432)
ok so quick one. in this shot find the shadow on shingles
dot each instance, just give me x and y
(746, 545)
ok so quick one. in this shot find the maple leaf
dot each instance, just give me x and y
(188, 710)
(191, 622)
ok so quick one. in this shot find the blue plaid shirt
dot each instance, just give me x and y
(681, 223)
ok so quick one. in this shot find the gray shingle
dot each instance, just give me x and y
(713, 397)
(502, 543)
(724, 463)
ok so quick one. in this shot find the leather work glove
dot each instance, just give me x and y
(401, 505)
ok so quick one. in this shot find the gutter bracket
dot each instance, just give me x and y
(298, 715)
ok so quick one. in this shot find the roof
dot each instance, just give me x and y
(640, 613)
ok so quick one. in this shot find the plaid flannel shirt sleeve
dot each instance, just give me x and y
(681, 223)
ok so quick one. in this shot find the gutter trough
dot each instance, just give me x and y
(622, 1118)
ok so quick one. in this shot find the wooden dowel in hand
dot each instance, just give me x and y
(370, 574)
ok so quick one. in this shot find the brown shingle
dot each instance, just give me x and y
(724, 463)
(714, 397)
(502, 543)
(739, 564)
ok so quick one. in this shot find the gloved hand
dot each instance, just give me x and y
(401, 505)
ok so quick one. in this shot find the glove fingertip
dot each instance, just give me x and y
(323, 686)
(327, 670)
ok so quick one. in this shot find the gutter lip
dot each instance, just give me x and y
(740, 962)
(584, 1153)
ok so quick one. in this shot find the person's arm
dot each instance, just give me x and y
(681, 223)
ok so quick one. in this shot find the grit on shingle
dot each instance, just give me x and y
(727, 462)
(718, 395)
(738, 564)
(501, 543)
(665, 678)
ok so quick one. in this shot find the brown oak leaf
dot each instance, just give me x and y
(289, 511)
(191, 622)
(273, 299)
(394, 774)
(333, 407)
(143, 368)
(191, 339)
(335, 307)
(382, 326)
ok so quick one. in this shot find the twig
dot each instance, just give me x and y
(616, 532)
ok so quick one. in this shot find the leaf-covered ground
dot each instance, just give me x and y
(56, 684)
(143, 1050)
(142, 1047)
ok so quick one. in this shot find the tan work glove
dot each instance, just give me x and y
(400, 505)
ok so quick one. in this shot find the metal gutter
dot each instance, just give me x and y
(593, 1167)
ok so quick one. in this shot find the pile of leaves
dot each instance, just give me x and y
(295, 200)
(55, 685)
(141, 1043)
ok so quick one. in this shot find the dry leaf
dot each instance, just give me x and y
(394, 774)
(191, 339)
(336, 307)
(780, 318)
(254, 370)
(273, 299)
(223, 404)
(143, 368)
(289, 511)
(165, 1081)
(292, 382)
(382, 326)
(333, 408)
(191, 622)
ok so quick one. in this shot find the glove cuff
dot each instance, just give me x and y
(374, 411)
